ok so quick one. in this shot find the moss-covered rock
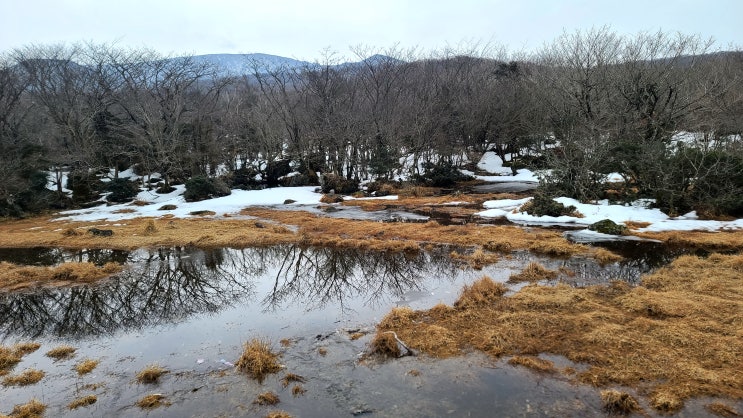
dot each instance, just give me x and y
(607, 226)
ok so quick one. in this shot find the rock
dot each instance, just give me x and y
(167, 207)
(289, 201)
(607, 226)
(101, 232)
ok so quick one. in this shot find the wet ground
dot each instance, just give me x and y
(191, 310)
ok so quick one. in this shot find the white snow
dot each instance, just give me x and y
(493, 164)
(524, 176)
(638, 211)
(238, 200)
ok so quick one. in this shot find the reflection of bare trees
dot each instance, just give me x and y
(317, 276)
(48, 256)
(170, 285)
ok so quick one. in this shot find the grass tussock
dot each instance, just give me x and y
(84, 401)
(478, 258)
(61, 352)
(533, 272)
(151, 374)
(721, 410)
(278, 414)
(16, 277)
(26, 348)
(152, 401)
(25, 378)
(604, 256)
(32, 409)
(483, 292)
(150, 228)
(298, 390)
(385, 344)
(10, 356)
(646, 337)
(258, 360)
(86, 366)
(290, 378)
(617, 402)
(533, 363)
(267, 398)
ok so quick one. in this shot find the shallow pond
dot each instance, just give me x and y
(190, 311)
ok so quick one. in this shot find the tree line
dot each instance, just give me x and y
(587, 104)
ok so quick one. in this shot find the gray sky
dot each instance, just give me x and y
(302, 29)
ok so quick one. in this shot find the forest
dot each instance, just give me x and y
(662, 110)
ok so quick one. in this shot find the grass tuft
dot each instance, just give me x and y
(150, 228)
(291, 377)
(257, 359)
(26, 348)
(32, 409)
(722, 410)
(482, 292)
(298, 390)
(533, 363)
(278, 414)
(86, 366)
(385, 344)
(616, 402)
(151, 374)
(25, 378)
(152, 401)
(61, 352)
(533, 272)
(84, 401)
(267, 398)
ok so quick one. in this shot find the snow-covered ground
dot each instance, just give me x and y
(638, 212)
(238, 200)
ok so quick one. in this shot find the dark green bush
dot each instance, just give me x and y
(243, 178)
(85, 186)
(122, 190)
(275, 170)
(202, 188)
(543, 205)
(441, 174)
(607, 226)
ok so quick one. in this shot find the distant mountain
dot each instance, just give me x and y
(240, 64)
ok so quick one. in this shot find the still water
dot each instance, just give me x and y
(190, 310)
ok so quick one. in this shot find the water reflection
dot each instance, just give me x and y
(170, 285)
(45, 256)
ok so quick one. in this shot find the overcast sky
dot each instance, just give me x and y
(302, 29)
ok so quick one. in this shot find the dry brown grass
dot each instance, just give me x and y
(150, 228)
(257, 359)
(291, 377)
(151, 374)
(267, 398)
(604, 256)
(278, 414)
(477, 259)
(533, 272)
(84, 401)
(322, 351)
(722, 410)
(385, 345)
(32, 409)
(61, 352)
(647, 337)
(15, 277)
(86, 366)
(152, 401)
(25, 378)
(298, 390)
(616, 402)
(26, 348)
(713, 241)
(533, 363)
